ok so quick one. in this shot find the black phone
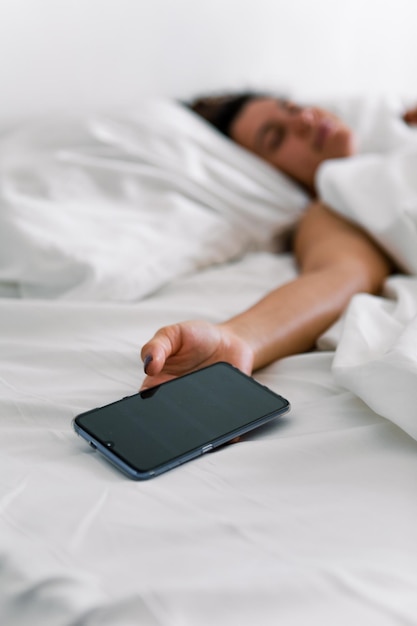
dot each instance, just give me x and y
(159, 428)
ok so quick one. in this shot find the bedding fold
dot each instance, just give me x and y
(376, 357)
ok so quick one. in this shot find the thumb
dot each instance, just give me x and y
(163, 344)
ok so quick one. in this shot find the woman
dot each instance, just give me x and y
(336, 260)
(294, 139)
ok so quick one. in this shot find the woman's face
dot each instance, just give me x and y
(293, 139)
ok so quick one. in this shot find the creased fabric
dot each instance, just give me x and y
(377, 354)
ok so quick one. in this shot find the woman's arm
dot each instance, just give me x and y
(336, 260)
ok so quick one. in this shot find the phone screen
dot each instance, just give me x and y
(161, 427)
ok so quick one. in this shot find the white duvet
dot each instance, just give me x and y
(377, 354)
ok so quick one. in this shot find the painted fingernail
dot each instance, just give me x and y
(148, 359)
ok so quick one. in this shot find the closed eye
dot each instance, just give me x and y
(273, 138)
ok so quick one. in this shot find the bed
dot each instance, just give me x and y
(114, 223)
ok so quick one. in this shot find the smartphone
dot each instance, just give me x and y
(159, 428)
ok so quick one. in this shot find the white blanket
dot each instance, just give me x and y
(377, 355)
(111, 207)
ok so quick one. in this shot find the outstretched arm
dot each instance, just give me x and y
(336, 261)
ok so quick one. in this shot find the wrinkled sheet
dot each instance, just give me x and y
(377, 354)
(309, 520)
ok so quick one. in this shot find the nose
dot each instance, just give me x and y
(302, 123)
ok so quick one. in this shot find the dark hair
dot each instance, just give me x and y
(222, 110)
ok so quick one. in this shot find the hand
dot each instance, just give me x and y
(410, 117)
(181, 348)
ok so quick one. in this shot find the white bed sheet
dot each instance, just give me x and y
(309, 521)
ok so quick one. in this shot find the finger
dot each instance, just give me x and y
(410, 117)
(163, 344)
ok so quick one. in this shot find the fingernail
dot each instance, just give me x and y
(148, 359)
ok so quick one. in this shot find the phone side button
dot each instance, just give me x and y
(206, 448)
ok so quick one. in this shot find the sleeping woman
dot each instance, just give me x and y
(336, 260)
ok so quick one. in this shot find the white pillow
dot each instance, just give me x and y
(114, 206)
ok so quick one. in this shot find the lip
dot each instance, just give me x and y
(324, 129)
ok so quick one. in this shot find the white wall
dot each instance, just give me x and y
(57, 54)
